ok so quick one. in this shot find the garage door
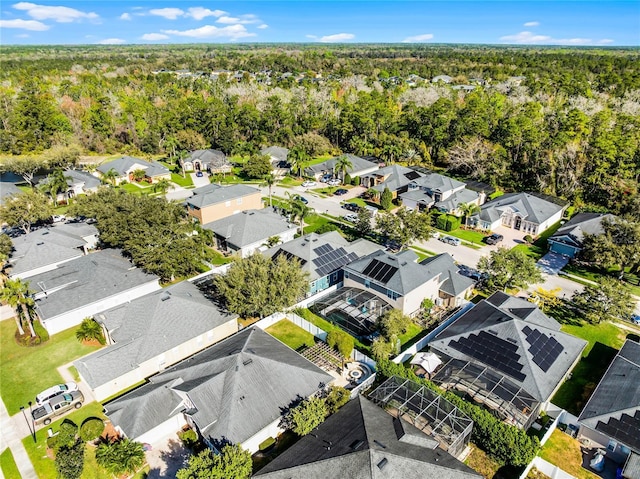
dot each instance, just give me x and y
(564, 249)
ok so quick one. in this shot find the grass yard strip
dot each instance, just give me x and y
(412, 331)
(293, 336)
(8, 465)
(37, 451)
(27, 371)
(474, 237)
(313, 222)
(595, 274)
(425, 252)
(327, 326)
(185, 182)
(564, 451)
(479, 461)
(290, 181)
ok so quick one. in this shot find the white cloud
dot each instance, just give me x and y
(263, 26)
(22, 35)
(125, 16)
(247, 19)
(529, 38)
(112, 41)
(418, 38)
(233, 32)
(338, 37)
(154, 36)
(168, 13)
(313, 37)
(199, 13)
(32, 25)
(532, 24)
(59, 14)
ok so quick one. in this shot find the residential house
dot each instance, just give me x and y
(403, 283)
(79, 183)
(45, 248)
(8, 186)
(359, 167)
(611, 417)
(213, 161)
(323, 256)
(442, 78)
(363, 441)
(394, 177)
(521, 211)
(434, 190)
(213, 202)
(567, 240)
(249, 231)
(454, 288)
(126, 165)
(507, 354)
(152, 333)
(236, 390)
(280, 164)
(88, 285)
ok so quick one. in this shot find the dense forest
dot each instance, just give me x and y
(561, 121)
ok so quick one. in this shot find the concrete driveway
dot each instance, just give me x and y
(552, 263)
(166, 457)
(199, 181)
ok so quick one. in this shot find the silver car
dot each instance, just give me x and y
(56, 406)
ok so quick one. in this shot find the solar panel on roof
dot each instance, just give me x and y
(543, 349)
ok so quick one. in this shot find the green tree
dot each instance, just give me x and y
(308, 415)
(509, 268)
(110, 176)
(62, 156)
(299, 211)
(342, 165)
(386, 199)
(120, 457)
(298, 158)
(70, 460)
(336, 398)
(363, 225)
(257, 166)
(233, 462)
(618, 246)
(272, 241)
(6, 246)
(138, 175)
(468, 209)
(405, 226)
(90, 330)
(16, 293)
(393, 323)
(55, 183)
(25, 166)
(162, 186)
(258, 286)
(341, 341)
(609, 299)
(382, 348)
(269, 181)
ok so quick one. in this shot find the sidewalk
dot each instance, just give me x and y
(10, 437)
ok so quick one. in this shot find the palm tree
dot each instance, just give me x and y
(342, 165)
(298, 158)
(110, 176)
(162, 186)
(272, 241)
(269, 181)
(138, 175)
(89, 330)
(16, 294)
(468, 209)
(55, 183)
(412, 157)
(298, 211)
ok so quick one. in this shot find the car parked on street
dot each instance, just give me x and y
(452, 240)
(334, 182)
(352, 207)
(326, 178)
(56, 406)
(309, 184)
(351, 218)
(53, 391)
(341, 192)
(300, 198)
(494, 238)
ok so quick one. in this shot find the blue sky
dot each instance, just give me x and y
(609, 23)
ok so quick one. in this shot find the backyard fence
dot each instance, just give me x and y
(546, 468)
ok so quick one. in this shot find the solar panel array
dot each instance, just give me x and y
(289, 256)
(493, 351)
(544, 349)
(624, 429)
(412, 175)
(379, 271)
(330, 259)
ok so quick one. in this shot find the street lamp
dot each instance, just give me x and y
(30, 422)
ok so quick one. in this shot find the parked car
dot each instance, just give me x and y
(325, 178)
(494, 238)
(301, 198)
(53, 391)
(635, 318)
(309, 184)
(58, 218)
(471, 273)
(56, 406)
(452, 240)
(351, 207)
(199, 174)
(351, 218)
(334, 182)
(341, 192)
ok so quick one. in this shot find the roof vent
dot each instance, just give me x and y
(382, 463)
(379, 444)
(355, 445)
(246, 362)
(165, 296)
(45, 233)
(40, 243)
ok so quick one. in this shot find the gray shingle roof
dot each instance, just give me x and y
(50, 245)
(509, 318)
(149, 326)
(249, 227)
(89, 181)
(128, 163)
(532, 208)
(237, 387)
(438, 182)
(278, 152)
(8, 189)
(304, 248)
(213, 194)
(453, 283)
(362, 441)
(84, 281)
(572, 232)
(461, 197)
(417, 195)
(397, 177)
(209, 158)
(408, 275)
(617, 395)
(358, 165)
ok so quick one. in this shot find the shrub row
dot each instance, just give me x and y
(448, 222)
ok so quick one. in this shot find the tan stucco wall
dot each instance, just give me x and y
(222, 210)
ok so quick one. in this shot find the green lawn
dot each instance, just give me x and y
(411, 333)
(135, 189)
(539, 247)
(314, 222)
(423, 252)
(293, 336)
(594, 274)
(604, 341)
(290, 181)
(27, 371)
(466, 235)
(563, 451)
(319, 159)
(180, 181)
(8, 465)
(217, 258)
(327, 326)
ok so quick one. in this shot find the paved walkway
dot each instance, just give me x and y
(552, 263)
(10, 436)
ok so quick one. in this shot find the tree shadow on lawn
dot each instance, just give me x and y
(575, 392)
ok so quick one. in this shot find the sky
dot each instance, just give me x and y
(114, 22)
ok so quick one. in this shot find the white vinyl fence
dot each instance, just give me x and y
(546, 468)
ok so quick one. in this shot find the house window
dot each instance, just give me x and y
(227, 203)
(612, 445)
(392, 294)
(239, 201)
